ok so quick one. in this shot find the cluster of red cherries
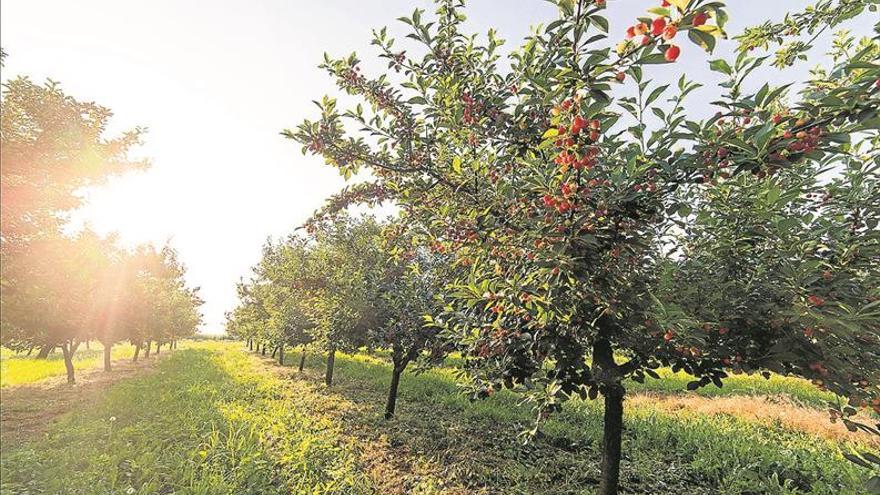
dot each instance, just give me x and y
(662, 28)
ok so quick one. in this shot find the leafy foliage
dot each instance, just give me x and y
(589, 226)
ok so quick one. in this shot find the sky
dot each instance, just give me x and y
(216, 81)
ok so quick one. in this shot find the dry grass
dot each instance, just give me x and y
(761, 409)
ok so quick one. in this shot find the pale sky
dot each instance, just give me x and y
(216, 81)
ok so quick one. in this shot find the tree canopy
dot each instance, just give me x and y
(599, 229)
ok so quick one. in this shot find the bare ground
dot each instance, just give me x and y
(27, 411)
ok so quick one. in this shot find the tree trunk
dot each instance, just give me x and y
(88, 346)
(611, 439)
(30, 350)
(250, 344)
(158, 347)
(281, 354)
(147, 350)
(302, 359)
(67, 349)
(392, 392)
(174, 344)
(274, 352)
(108, 347)
(331, 359)
(44, 351)
(264, 349)
(137, 352)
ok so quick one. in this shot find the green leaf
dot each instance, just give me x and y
(721, 66)
(873, 485)
(549, 133)
(684, 209)
(600, 22)
(655, 94)
(654, 58)
(704, 40)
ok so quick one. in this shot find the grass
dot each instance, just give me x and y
(798, 390)
(207, 421)
(18, 369)
(474, 444)
(213, 419)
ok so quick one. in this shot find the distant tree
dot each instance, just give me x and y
(346, 266)
(606, 232)
(409, 287)
(277, 277)
(51, 146)
(59, 303)
(248, 317)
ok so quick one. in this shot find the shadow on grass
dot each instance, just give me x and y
(439, 436)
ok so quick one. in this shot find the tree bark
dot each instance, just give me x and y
(137, 352)
(147, 349)
(250, 344)
(30, 350)
(274, 352)
(108, 347)
(44, 351)
(281, 354)
(611, 440)
(263, 352)
(302, 359)
(331, 359)
(158, 347)
(88, 346)
(67, 350)
(392, 391)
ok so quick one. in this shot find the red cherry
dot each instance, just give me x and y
(669, 32)
(816, 300)
(621, 76)
(672, 53)
(700, 19)
(658, 26)
(578, 124)
(630, 32)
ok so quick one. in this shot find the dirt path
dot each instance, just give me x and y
(29, 410)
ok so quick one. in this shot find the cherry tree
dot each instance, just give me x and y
(605, 231)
